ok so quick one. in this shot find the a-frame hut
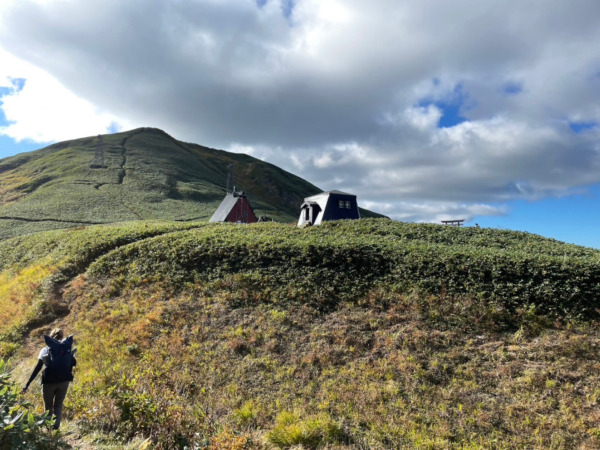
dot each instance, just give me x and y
(235, 208)
(332, 205)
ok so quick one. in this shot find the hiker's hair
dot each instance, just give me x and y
(56, 333)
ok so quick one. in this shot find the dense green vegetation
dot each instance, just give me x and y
(355, 334)
(19, 427)
(34, 268)
(341, 260)
(148, 176)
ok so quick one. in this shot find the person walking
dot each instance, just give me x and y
(58, 360)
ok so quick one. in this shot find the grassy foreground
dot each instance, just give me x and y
(363, 334)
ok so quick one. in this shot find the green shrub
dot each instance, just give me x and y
(246, 414)
(341, 261)
(20, 428)
(313, 432)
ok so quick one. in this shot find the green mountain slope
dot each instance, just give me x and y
(149, 176)
(355, 334)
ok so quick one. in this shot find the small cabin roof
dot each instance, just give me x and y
(327, 194)
(226, 206)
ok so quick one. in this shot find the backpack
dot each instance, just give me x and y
(60, 361)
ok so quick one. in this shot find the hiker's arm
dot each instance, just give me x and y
(36, 370)
(74, 362)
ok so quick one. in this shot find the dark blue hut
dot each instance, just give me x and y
(332, 205)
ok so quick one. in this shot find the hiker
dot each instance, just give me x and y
(58, 360)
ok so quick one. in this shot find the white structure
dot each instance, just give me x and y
(332, 205)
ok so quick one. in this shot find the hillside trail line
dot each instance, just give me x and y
(123, 174)
(74, 222)
(123, 171)
(54, 293)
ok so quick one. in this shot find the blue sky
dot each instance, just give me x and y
(9, 147)
(483, 111)
(572, 219)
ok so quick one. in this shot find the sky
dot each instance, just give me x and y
(487, 111)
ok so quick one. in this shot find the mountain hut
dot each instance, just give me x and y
(235, 208)
(332, 205)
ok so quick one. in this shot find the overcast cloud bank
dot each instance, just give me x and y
(427, 110)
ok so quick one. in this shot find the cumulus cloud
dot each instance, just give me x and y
(433, 211)
(424, 109)
(37, 107)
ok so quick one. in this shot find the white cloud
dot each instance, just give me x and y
(43, 110)
(297, 162)
(239, 148)
(324, 161)
(347, 94)
(259, 151)
(432, 211)
(423, 118)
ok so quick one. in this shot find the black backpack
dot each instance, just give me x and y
(60, 361)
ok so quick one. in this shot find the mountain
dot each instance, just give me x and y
(148, 175)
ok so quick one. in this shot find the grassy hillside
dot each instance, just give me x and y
(355, 334)
(149, 176)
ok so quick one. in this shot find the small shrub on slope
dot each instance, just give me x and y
(20, 428)
(313, 432)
